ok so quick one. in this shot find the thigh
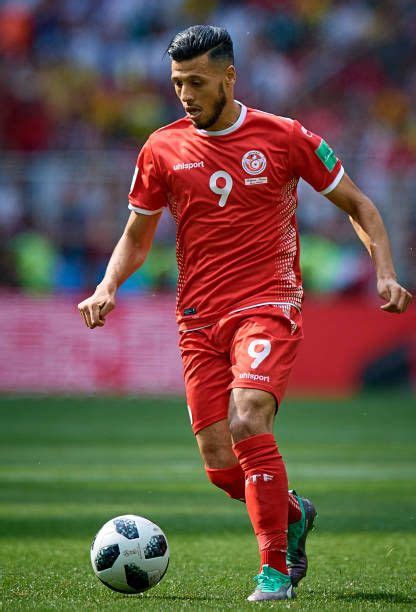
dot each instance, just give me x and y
(207, 375)
(263, 350)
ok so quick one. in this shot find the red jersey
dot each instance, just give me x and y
(233, 196)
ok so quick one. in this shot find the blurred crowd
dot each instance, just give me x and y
(83, 82)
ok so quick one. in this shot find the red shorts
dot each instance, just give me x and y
(254, 348)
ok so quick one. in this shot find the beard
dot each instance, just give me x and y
(219, 105)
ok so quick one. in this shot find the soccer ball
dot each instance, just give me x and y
(130, 554)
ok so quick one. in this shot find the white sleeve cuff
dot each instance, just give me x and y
(144, 211)
(334, 182)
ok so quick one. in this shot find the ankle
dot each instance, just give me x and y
(275, 559)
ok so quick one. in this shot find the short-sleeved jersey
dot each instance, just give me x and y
(233, 196)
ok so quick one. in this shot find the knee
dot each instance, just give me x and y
(243, 426)
(251, 413)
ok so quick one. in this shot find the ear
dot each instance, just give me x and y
(230, 75)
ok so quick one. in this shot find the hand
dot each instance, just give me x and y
(95, 308)
(398, 298)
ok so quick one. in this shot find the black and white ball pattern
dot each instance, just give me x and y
(130, 554)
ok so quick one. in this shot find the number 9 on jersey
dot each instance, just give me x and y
(224, 191)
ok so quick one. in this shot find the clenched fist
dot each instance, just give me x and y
(95, 308)
(398, 298)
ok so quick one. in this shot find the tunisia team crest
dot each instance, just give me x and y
(254, 162)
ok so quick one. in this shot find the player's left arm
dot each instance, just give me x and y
(369, 227)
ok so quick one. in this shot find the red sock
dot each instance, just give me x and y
(294, 513)
(266, 496)
(230, 480)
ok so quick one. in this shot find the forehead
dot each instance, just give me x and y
(200, 65)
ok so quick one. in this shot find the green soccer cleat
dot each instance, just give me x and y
(296, 559)
(272, 584)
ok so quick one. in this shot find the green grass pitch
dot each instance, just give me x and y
(70, 464)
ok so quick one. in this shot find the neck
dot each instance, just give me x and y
(228, 117)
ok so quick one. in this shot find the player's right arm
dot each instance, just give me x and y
(147, 199)
(127, 257)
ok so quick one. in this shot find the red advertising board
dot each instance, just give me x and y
(45, 347)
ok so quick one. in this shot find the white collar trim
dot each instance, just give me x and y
(232, 127)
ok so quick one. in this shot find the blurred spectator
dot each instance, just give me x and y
(35, 259)
(83, 83)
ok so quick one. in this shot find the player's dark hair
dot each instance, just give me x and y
(200, 39)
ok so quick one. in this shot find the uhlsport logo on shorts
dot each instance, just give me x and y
(254, 162)
(250, 376)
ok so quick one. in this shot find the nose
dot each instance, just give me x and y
(187, 96)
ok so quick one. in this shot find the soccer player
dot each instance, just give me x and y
(228, 175)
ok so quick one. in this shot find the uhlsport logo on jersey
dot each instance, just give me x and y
(254, 162)
(188, 165)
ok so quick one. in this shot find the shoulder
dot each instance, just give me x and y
(270, 121)
(174, 130)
